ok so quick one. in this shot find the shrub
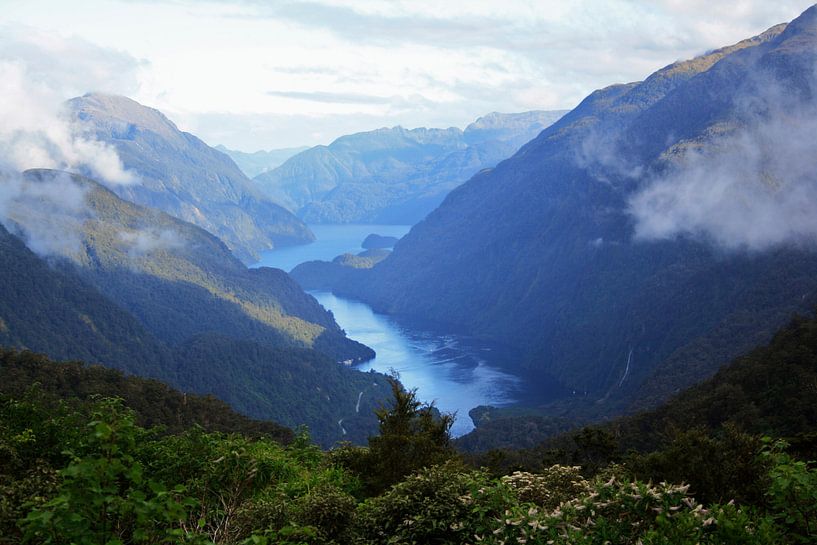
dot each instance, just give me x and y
(440, 504)
(549, 488)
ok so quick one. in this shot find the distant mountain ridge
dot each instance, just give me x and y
(181, 175)
(258, 162)
(395, 175)
(541, 252)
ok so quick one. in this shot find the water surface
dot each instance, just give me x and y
(332, 240)
(454, 372)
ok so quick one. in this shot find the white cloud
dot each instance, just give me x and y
(146, 241)
(38, 71)
(47, 214)
(449, 61)
(751, 190)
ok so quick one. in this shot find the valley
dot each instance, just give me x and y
(378, 273)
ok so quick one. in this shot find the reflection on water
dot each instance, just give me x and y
(332, 240)
(446, 369)
(455, 372)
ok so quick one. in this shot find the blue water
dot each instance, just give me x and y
(332, 240)
(449, 370)
(454, 372)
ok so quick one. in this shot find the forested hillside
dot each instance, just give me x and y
(140, 291)
(619, 250)
(694, 473)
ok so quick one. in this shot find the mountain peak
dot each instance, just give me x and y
(117, 109)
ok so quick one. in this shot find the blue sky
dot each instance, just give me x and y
(269, 74)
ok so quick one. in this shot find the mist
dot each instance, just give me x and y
(36, 133)
(139, 243)
(753, 189)
(47, 214)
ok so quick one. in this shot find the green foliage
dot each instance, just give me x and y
(155, 403)
(549, 488)
(792, 493)
(104, 496)
(412, 436)
(616, 511)
(439, 504)
(719, 468)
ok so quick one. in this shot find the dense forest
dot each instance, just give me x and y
(187, 313)
(90, 456)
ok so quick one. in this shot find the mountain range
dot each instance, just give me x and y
(144, 292)
(258, 162)
(181, 175)
(395, 175)
(653, 233)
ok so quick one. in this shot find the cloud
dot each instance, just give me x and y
(38, 71)
(71, 66)
(35, 132)
(47, 214)
(139, 243)
(751, 190)
(332, 98)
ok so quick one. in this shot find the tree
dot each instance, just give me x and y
(413, 435)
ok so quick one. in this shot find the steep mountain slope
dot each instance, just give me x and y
(181, 281)
(764, 392)
(395, 175)
(181, 175)
(141, 291)
(56, 312)
(548, 251)
(258, 162)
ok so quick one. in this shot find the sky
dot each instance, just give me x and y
(254, 74)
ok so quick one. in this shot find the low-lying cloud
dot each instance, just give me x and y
(36, 133)
(47, 214)
(139, 243)
(38, 72)
(751, 190)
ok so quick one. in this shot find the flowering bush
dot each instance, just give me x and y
(620, 512)
(549, 488)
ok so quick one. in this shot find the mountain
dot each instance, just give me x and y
(139, 290)
(56, 312)
(395, 175)
(258, 162)
(181, 175)
(763, 392)
(653, 233)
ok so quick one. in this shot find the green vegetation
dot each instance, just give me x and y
(760, 393)
(84, 471)
(186, 312)
(153, 402)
